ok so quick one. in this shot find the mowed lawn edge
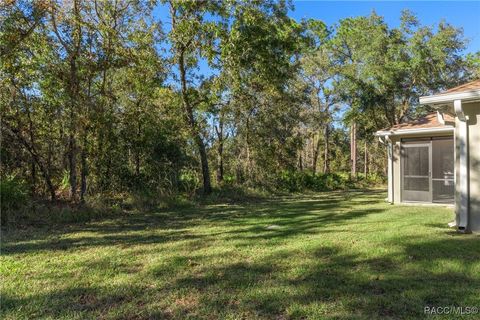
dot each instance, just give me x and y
(317, 255)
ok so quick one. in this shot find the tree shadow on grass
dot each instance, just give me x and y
(63, 244)
(313, 282)
(332, 284)
(293, 224)
(113, 302)
(389, 286)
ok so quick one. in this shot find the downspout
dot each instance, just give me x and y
(462, 204)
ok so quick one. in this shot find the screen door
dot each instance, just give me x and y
(443, 166)
(416, 183)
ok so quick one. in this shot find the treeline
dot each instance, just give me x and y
(174, 96)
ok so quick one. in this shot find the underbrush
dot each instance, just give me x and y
(229, 193)
(295, 181)
(18, 209)
(36, 212)
(39, 212)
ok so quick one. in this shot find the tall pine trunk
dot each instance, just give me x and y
(72, 166)
(365, 167)
(326, 161)
(316, 151)
(353, 150)
(83, 170)
(137, 151)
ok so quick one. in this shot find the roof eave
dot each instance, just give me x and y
(406, 132)
(447, 98)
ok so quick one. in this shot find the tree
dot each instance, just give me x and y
(473, 65)
(318, 78)
(192, 39)
(25, 48)
(388, 69)
(69, 29)
(98, 97)
(259, 64)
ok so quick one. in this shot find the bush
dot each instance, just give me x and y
(229, 179)
(233, 194)
(189, 181)
(13, 194)
(295, 181)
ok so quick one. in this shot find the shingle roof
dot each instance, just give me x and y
(428, 121)
(474, 85)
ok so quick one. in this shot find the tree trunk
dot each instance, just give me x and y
(137, 163)
(83, 176)
(326, 161)
(72, 145)
(188, 109)
(316, 151)
(353, 150)
(181, 49)
(33, 173)
(219, 130)
(83, 170)
(207, 187)
(72, 166)
(137, 149)
(248, 166)
(365, 168)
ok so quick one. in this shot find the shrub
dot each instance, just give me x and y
(233, 194)
(189, 181)
(13, 194)
(229, 179)
(294, 181)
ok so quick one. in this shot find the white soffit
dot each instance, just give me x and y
(403, 132)
(450, 97)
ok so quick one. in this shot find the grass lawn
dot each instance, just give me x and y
(323, 255)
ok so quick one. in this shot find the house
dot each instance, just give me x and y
(436, 159)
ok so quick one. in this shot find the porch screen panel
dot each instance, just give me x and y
(416, 167)
(443, 165)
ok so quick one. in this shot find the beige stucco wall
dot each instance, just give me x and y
(472, 110)
(457, 170)
(396, 170)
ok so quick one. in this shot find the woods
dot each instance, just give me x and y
(102, 97)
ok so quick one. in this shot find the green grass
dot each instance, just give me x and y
(329, 255)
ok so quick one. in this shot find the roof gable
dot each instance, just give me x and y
(427, 122)
(466, 92)
(474, 85)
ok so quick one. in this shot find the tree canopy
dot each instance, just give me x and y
(102, 96)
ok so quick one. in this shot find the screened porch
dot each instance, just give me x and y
(427, 170)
